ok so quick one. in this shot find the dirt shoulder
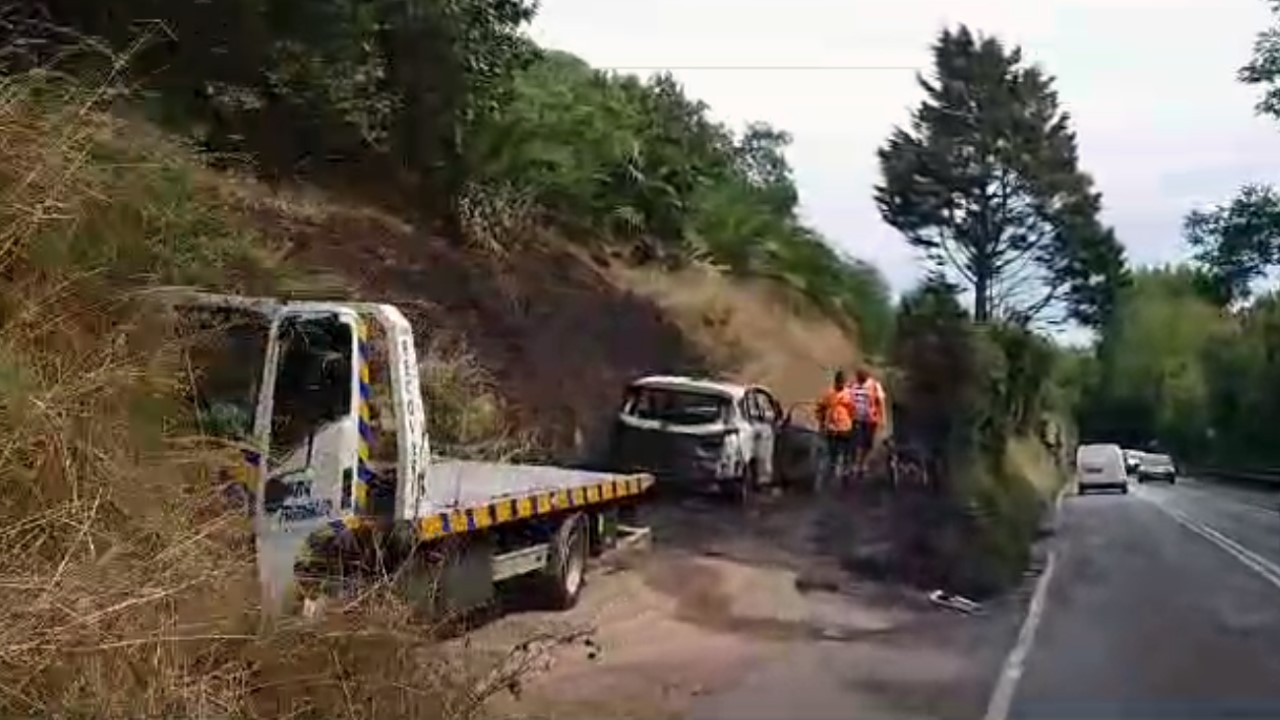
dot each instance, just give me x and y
(737, 614)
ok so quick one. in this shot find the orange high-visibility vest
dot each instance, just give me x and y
(835, 411)
(868, 401)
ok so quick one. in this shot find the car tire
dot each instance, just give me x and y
(1124, 489)
(566, 569)
(747, 484)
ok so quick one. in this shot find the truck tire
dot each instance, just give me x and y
(567, 563)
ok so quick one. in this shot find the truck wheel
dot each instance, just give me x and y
(567, 564)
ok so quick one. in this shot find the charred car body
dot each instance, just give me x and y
(701, 434)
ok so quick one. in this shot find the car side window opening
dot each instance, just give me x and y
(767, 408)
(313, 381)
(678, 407)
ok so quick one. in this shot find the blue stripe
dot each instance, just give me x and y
(446, 524)
(471, 520)
(364, 473)
(366, 432)
(363, 348)
(366, 392)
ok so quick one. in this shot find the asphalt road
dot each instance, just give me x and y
(1163, 603)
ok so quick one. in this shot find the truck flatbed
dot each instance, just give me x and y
(466, 496)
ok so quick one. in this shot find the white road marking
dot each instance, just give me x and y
(1264, 567)
(1002, 696)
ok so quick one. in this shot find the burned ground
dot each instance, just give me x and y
(560, 338)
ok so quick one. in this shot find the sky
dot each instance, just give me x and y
(1163, 126)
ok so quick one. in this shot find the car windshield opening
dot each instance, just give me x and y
(678, 407)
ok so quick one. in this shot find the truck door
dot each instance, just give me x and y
(308, 423)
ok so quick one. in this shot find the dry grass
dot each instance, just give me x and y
(757, 331)
(467, 417)
(1028, 458)
(129, 588)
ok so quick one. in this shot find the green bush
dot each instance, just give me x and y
(962, 393)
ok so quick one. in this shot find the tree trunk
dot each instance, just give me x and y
(981, 297)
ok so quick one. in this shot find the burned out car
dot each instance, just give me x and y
(701, 434)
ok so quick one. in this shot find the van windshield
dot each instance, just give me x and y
(677, 407)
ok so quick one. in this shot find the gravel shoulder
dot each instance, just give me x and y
(739, 614)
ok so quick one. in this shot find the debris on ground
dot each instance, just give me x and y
(958, 603)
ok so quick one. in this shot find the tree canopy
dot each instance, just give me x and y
(448, 108)
(985, 182)
(612, 155)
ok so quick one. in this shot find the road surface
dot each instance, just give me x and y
(1162, 603)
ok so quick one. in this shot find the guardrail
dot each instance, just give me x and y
(1252, 477)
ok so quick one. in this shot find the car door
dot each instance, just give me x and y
(764, 418)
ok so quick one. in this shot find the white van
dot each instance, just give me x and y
(1100, 466)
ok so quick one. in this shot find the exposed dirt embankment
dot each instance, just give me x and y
(561, 331)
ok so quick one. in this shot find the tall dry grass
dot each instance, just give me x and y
(128, 587)
(467, 418)
(757, 331)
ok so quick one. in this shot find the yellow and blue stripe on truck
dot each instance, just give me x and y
(499, 512)
(364, 474)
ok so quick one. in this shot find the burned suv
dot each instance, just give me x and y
(707, 435)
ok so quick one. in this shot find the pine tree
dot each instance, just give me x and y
(985, 182)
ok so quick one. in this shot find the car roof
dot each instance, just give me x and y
(1098, 450)
(679, 382)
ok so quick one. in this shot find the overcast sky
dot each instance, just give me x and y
(1163, 125)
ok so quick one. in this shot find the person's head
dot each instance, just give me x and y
(862, 375)
(838, 382)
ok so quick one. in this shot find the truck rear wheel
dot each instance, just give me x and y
(567, 563)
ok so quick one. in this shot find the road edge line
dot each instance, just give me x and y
(1001, 699)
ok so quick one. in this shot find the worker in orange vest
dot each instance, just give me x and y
(868, 397)
(835, 414)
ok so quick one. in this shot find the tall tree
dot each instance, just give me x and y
(985, 182)
(1237, 243)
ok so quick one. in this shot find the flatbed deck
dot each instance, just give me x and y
(467, 496)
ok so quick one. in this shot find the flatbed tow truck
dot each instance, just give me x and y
(325, 402)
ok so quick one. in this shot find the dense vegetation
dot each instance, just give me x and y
(985, 184)
(1191, 361)
(448, 106)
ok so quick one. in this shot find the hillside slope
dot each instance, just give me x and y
(561, 330)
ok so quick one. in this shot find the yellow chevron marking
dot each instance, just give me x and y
(431, 526)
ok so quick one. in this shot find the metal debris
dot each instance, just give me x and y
(958, 603)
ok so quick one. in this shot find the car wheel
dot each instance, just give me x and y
(748, 484)
(1124, 489)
